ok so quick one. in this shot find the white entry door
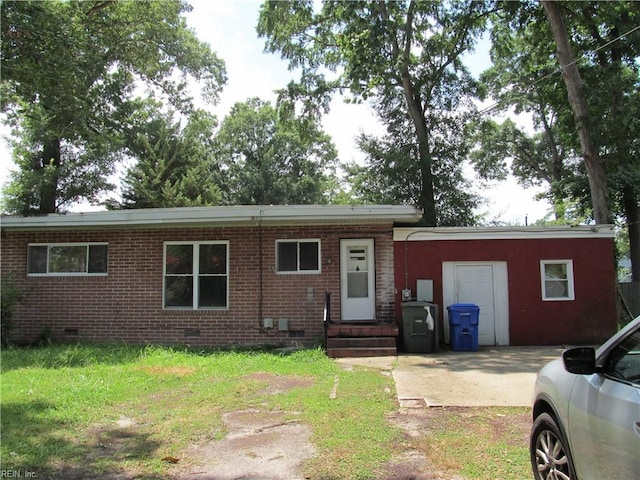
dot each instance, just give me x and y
(357, 280)
(486, 285)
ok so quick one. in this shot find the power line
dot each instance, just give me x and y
(559, 69)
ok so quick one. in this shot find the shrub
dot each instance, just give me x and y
(10, 294)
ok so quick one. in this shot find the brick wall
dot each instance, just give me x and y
(126, 305)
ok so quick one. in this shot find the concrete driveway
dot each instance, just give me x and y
(492, 376)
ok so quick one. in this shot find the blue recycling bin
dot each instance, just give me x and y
(463, 326)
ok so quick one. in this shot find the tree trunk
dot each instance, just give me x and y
(427, 197)
(557, 195)
(632, 213)
(573, 82)
(50, 170)
(630, 199)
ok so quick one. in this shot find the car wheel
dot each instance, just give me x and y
(550, 457)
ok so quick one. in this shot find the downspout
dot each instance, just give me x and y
(261, 288)
(406, 259)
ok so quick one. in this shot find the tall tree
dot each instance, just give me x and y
(614, 76)
(383, 49)
(174, 165)
(392, 173)
(271, 156)
(578, 102)
(69, 72)
(525, 76)
(522, 80)
(53, 172)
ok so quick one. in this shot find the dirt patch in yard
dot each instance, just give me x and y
(275, 384)
(122, 441)
(259, 445)
(431, 459)
(265, 445)
(177, 371)
(412, 463)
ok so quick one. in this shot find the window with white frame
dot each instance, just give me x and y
(67, 258)
(298, 256)
(557, 279)
(196, 275)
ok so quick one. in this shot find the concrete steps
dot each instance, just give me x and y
(349, 340)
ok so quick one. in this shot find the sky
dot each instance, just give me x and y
(229, 29)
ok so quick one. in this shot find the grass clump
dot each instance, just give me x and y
(479, 443)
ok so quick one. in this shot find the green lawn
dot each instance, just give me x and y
(483, 443)
(58, 400)
(60, 404)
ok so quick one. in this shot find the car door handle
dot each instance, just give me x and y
(636, 428)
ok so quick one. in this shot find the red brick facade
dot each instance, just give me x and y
(127, 303)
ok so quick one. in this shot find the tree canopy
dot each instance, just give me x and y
(393, 170)
(605, 40)
(389, 51)
(175, 165)
(271, 156)
(70, 70)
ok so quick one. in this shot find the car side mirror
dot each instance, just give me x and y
(580, 360)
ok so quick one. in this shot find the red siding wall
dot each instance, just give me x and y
(590, 318)
(126, 305)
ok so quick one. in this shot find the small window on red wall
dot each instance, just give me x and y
(557, 280)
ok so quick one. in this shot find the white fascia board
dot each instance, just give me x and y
(416, 234)
(219, 216)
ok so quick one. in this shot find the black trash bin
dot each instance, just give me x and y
(420, 330)
(463, 326)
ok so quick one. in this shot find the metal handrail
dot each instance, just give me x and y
(327, 316)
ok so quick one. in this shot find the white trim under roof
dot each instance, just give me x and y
(415, 234)
(220, 216)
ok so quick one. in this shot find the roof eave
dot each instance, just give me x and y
(219, 216)
(504, 233)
